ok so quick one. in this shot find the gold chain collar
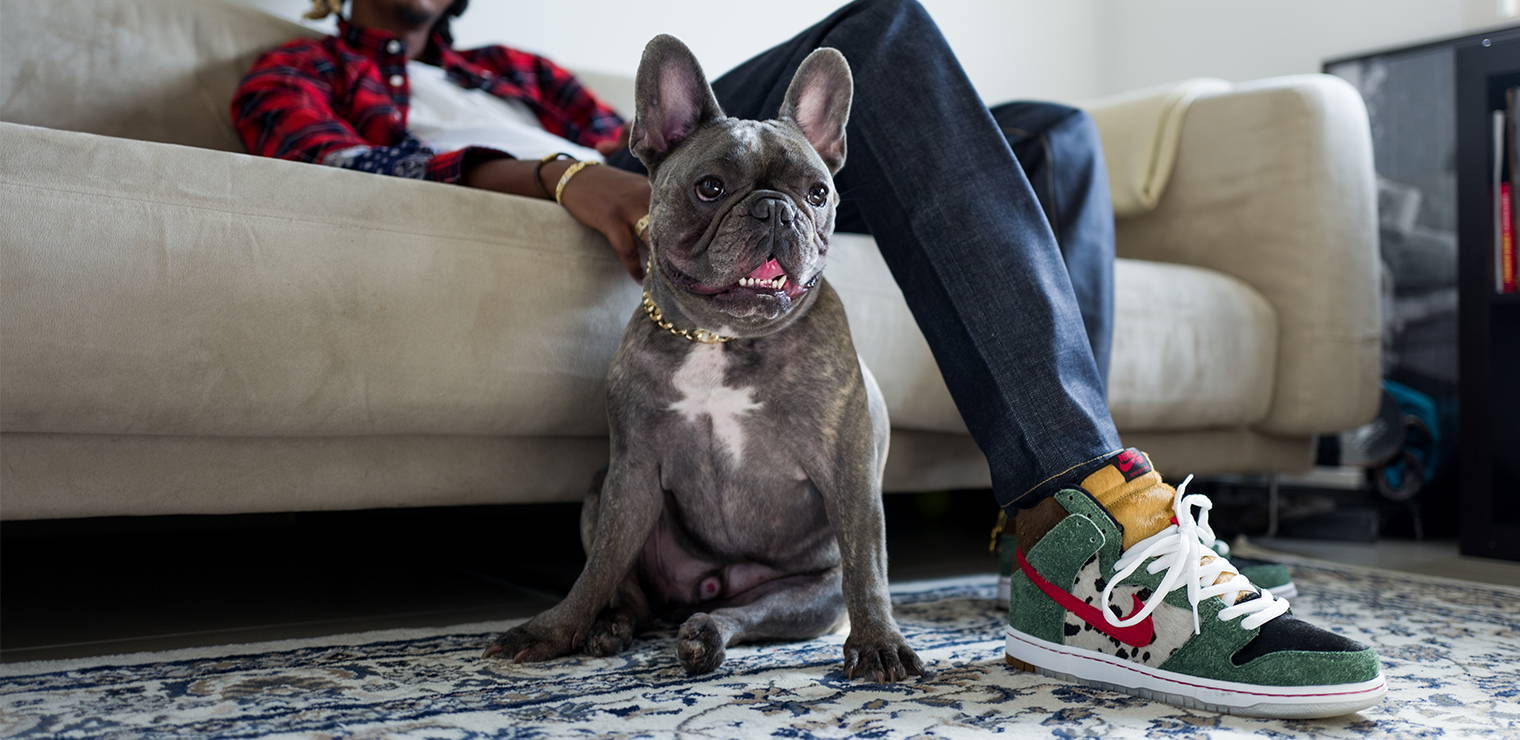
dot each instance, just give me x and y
(651, 310)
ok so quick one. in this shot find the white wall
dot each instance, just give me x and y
(1147, 42)
(1052, 49)
(1010, 48)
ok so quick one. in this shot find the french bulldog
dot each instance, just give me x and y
(743, 495)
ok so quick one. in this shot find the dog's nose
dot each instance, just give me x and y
(763, 208)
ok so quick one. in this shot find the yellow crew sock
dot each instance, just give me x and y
(1133, 492)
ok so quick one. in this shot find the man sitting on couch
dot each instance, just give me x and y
(1011, 284)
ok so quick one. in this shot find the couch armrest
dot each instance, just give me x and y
(1274, 185)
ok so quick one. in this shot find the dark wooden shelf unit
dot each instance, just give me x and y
(1489, 340)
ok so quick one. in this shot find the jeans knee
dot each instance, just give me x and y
(1073, 135)
(890, 13)
(894, 6)
(1081, 128)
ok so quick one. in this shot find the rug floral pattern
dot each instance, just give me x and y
(1449, 651)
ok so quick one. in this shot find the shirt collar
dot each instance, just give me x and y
(376, 42)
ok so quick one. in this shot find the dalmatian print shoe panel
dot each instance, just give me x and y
(1173, 627)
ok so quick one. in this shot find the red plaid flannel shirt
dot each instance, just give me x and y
(342, 100)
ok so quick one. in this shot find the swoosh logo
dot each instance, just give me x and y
(1140, 634)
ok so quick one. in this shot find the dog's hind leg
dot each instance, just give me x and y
(630, 504)
(619, 623)
(791, 608)
(629, 611)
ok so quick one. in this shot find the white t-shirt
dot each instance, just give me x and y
(446, 117)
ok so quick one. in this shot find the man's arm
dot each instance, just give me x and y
(568, 109)
(283, 109)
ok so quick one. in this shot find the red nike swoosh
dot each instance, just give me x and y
(1139, 634)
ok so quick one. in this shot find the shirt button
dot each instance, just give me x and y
(397, 80)
(393, 46)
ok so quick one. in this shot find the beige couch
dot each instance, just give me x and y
(188, 329)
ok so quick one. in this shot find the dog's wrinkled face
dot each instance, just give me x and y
(741, 211)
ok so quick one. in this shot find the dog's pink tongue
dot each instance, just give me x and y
(771, 269)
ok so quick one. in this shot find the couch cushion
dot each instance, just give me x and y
(158, 289)
(158, 70)
(1193, 348)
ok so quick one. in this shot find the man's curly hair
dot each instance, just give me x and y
(322, 8)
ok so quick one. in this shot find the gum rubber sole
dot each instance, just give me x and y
(1331, 701)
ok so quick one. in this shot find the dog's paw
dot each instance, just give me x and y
(612, 633)
(530, 643)
(699, 645)
(880, 658)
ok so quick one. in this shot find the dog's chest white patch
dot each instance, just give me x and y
(699, 380)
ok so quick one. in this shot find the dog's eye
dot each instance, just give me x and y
(710, 188)
(818, 195)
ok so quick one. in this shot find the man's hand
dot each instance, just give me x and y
(611, 201)
(605, 198)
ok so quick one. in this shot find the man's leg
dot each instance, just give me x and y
(1059, 149)
(930, 174)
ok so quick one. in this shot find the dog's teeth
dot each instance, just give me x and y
(782, 283)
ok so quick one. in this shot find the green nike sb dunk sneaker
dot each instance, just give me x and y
(1123, 590)
(1265, 574)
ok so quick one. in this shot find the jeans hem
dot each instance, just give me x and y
(1014, 501)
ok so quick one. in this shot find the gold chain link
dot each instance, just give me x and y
(653, 312)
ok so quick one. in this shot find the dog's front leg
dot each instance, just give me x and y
(630, 506)
(851, 488)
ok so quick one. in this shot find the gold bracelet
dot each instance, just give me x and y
(559, 190)
(538, 171)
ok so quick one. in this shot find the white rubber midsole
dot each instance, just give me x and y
(1095, 666)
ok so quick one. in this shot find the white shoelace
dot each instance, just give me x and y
(1180, 550)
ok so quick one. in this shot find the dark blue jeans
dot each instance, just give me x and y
(932, 175)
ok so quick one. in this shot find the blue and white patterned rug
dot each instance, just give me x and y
(1451, 652)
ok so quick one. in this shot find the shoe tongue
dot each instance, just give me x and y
(1133, 492)
(771, 269)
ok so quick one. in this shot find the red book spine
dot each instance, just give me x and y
(1507, 238)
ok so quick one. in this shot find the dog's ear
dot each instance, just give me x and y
(818, 102)
(672, 97)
